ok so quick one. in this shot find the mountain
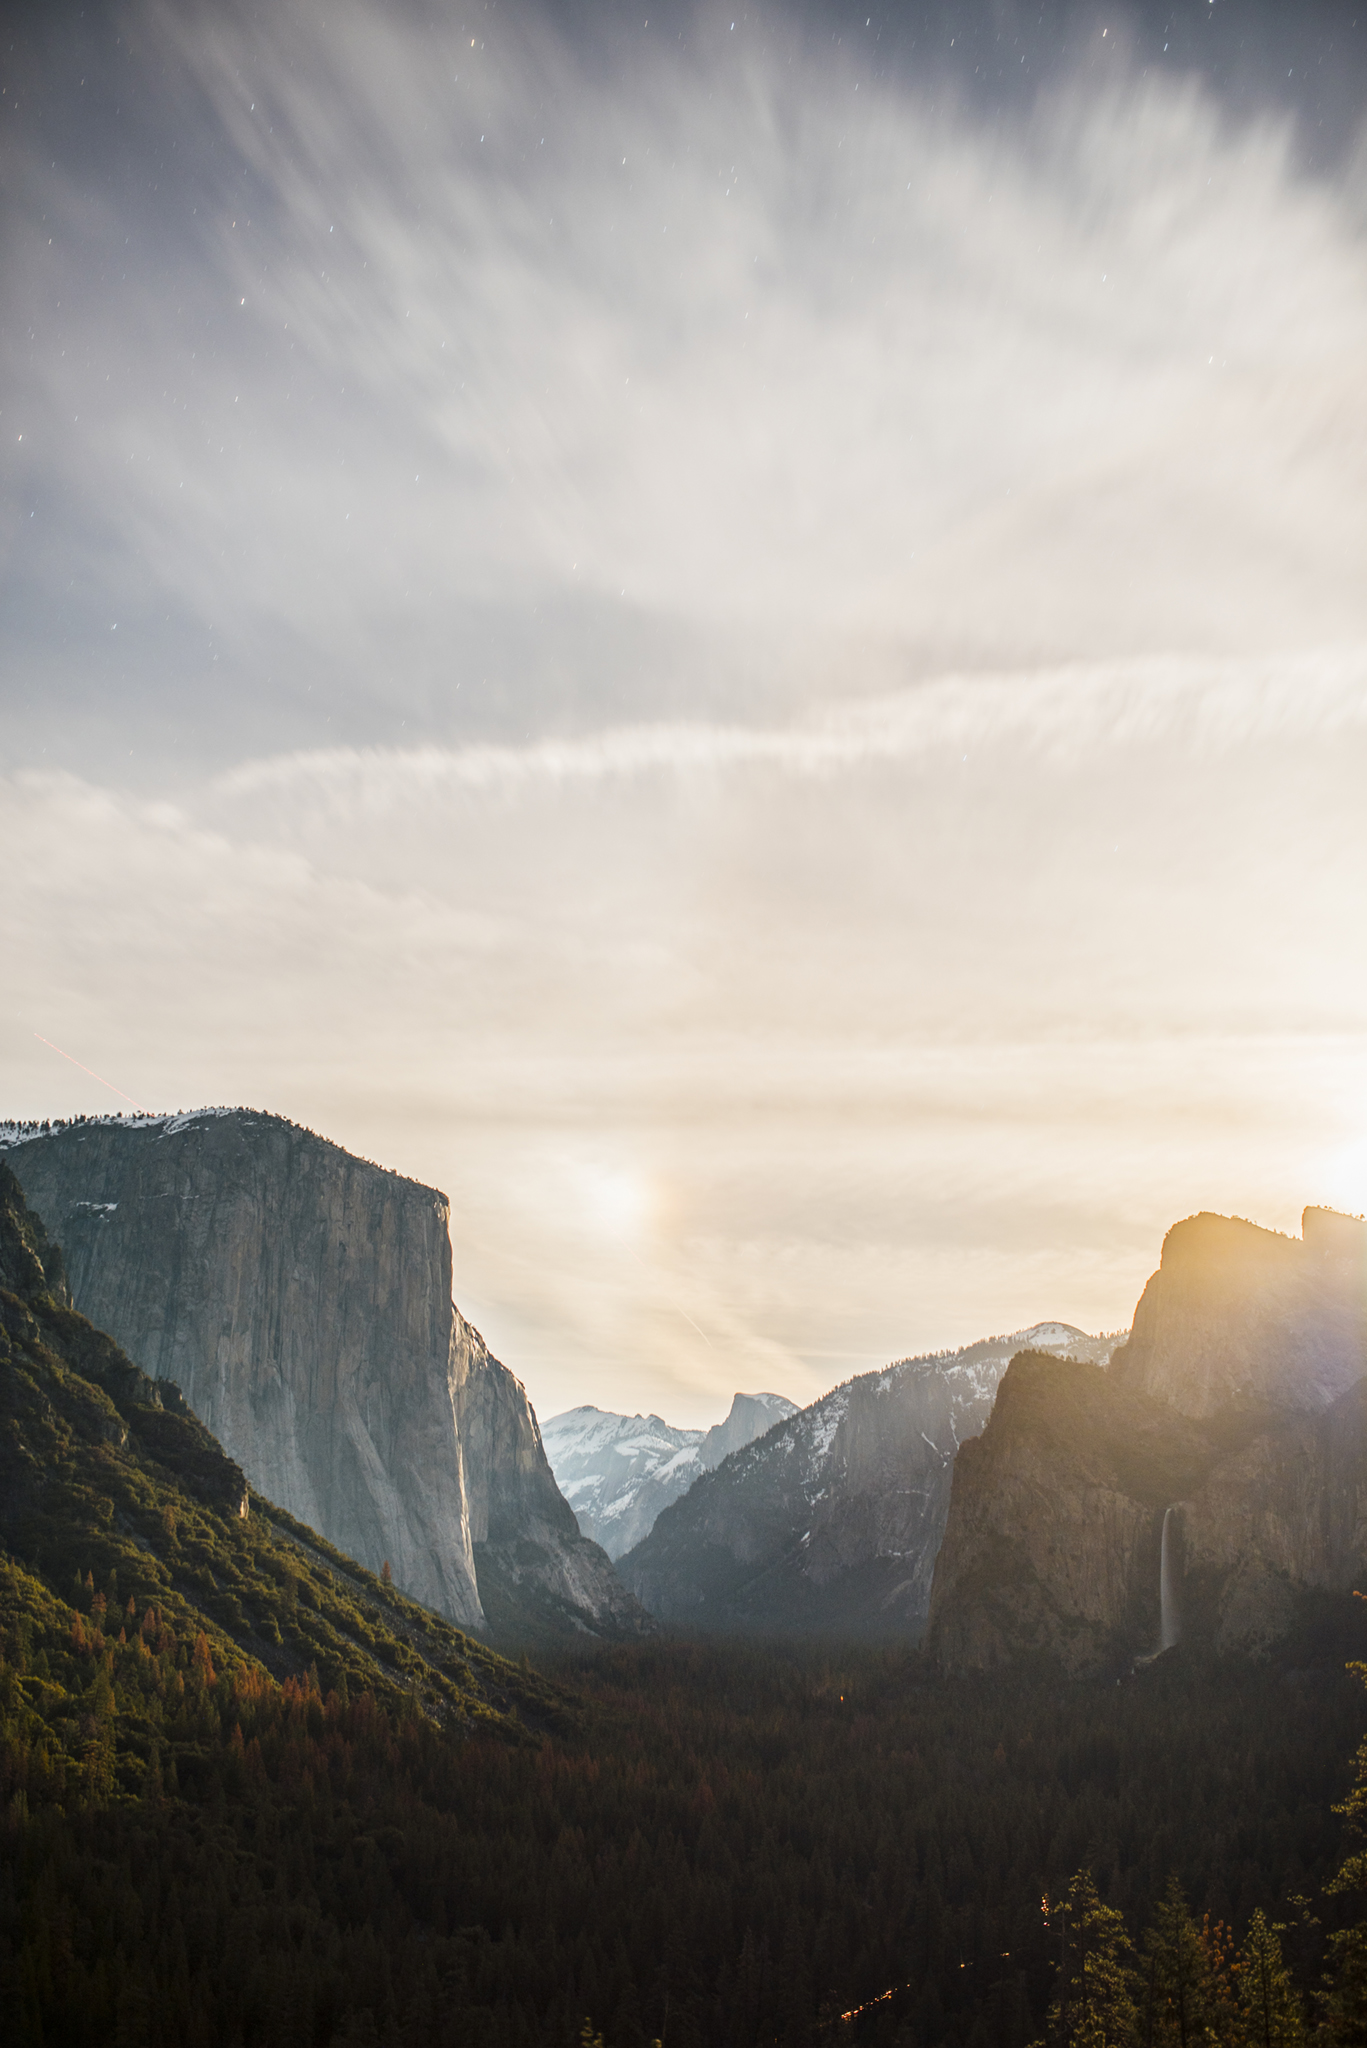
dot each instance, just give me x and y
(135, 1557)
(300, 1298)
(618, 1471)
(1238, 1314)
(1235, 1419)
(250, 1793)
(832, 1520)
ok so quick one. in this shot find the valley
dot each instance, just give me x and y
(722, 1791)
(683, 1130)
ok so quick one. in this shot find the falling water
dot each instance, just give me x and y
(1169, 1626)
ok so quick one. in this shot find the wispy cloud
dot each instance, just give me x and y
(1207, 707)
(475, 386)
(691, 617)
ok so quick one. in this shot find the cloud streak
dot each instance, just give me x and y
(1065, 715)
(477, 389)
(694, 616)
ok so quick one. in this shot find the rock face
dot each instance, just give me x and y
(538, 1575)
(830, 1523)
(1239, 1314)
(1239, 1404)
(37, 1318)
(618, 1471)
(749, 1416)
(300, 1299)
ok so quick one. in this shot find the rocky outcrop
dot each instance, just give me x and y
(1239, 1404)
(538, 1575)
(619, 1471)
(1055, 1519)
(749, 1416)
(831, 1522)
(1239, 1314)
(300, 1298)
(1284, 1514)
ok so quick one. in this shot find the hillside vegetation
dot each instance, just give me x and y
(136, 1561)
(249, 1795)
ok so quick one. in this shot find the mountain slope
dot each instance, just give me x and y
(300, 1298)
(137, 1566)
(198, 1854)
(1237, 1414)
(831, 1521)
(618, 1471)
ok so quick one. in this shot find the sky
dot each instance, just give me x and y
(738, 637)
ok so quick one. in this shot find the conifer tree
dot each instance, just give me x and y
(1270, 2012)
(1177, 1997)
(1094, 2005)
(1345, 2006)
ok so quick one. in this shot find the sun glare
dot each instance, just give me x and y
(1345, 1176)
(614, 1201)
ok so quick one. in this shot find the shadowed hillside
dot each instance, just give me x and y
(135, 1555)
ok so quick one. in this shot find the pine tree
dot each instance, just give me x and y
(1345, 2006)
(1094, 2005)
(1177, 1994)
(1270, 2012)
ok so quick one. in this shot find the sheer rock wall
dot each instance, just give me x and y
(301, 1300)
(1240, 1401)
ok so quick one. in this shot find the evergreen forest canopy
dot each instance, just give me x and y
(252, 1795)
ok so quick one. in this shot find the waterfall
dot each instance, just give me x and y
(1169, 1623)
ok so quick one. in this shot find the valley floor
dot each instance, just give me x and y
(724, 1845)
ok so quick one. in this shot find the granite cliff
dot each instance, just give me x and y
(619, 1471)
(538, 1576)
(300, 1298)
(108, 1481)
(1238, 1404)
(831, 1521)
(1238, 1314)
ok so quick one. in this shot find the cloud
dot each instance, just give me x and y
(755, 666)
(1206, 707)
(506, 386)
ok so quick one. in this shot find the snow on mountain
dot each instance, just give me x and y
(832, 1520)
(618, 1471)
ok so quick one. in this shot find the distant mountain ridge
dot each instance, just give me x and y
(831, 1521)
(300, 1298)
(618, 1471)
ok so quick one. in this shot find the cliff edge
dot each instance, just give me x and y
(1236, 1313)
(300, 1298)
(1236, 1415)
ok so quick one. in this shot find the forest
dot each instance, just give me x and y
(250, 1794)
(725, 1847)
